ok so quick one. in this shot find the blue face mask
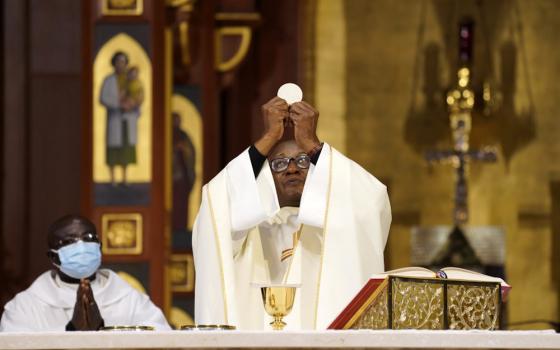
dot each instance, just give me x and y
(79, 260)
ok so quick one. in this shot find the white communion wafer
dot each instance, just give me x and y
(290, 92)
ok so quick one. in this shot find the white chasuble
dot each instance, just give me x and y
(48, 305)
(341, 228)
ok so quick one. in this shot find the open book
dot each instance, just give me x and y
(454, 273)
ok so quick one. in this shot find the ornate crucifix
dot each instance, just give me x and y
(460, 101)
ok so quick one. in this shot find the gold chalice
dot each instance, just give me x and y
(278, 301)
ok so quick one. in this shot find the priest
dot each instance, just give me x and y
(76, 294)
(288, 210)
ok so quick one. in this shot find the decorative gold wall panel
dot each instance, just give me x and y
(122, 7)
(181, 273)
(122, 234)
(399, 58)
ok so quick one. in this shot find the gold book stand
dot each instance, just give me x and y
(424, 303)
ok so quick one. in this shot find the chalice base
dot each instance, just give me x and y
(278, 324)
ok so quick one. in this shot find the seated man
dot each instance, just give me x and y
(75, 295)
(289, 211)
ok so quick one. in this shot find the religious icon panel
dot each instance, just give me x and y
(122, 118)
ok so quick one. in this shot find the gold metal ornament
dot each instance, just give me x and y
(181, 272)
(128, 328)
(207, 327)
(122, 7)
(245, 35)
(122, 234)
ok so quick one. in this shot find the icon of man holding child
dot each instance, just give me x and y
(122, 95)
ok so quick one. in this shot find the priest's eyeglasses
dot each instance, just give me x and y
(86, 237)
(278, 165)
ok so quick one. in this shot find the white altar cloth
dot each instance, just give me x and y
(362, 339)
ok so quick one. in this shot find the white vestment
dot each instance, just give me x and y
(345, 217)
(110, 98)
(48, 305)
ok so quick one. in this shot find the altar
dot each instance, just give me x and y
(358, 339)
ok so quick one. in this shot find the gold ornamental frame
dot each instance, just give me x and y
(183, 282)
(244, 33)
(121, 234)
(122, 7)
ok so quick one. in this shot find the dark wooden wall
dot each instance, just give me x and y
(272, 61)
(40, 131)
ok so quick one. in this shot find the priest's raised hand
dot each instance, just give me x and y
(304, 118)
(275, 114)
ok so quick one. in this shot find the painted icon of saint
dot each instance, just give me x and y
(122, 95)
(183, 173)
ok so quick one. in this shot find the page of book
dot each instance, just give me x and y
(451, 273)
